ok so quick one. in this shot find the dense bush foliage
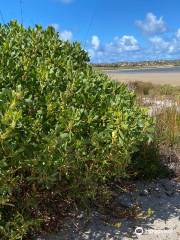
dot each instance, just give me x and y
(63, 126)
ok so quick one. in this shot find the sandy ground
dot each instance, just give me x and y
(155, 78)
(162, 197)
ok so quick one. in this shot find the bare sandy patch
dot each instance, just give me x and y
(155, 78)
(159, 200)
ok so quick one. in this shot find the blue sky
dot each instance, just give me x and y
(110, 30)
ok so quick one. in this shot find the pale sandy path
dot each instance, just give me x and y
(161, 196)
(155, 78)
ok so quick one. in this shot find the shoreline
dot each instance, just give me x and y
(139, 68)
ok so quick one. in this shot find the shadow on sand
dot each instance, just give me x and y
(158, 200)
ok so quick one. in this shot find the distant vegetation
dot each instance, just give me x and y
(65, 129)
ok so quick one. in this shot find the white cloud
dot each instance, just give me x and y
(112, 50)
(152, 25)
(95, 42)
(66, 35)
(174, 47)
(125, 43)
(178, 33)
(159, 43)
(127, 48)
(171, 46)
(121, 46)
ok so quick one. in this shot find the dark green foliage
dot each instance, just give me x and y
(146, 162)
(63, 127)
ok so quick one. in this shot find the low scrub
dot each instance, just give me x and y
(64, 129)
(168, 126)
(154, 160)
(155, 90)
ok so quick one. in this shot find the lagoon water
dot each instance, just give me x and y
(146, 70)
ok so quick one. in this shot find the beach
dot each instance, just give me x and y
(172, 78)
(168, 75)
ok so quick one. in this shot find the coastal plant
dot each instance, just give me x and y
(65, 129)
(168, 126)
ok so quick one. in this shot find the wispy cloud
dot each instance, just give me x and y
(152, 25)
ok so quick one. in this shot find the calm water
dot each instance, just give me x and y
(147, 70)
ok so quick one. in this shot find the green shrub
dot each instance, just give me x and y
(63, 127)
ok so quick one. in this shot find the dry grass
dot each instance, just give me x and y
(161, 157)
(163, 102)
(168, 126)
